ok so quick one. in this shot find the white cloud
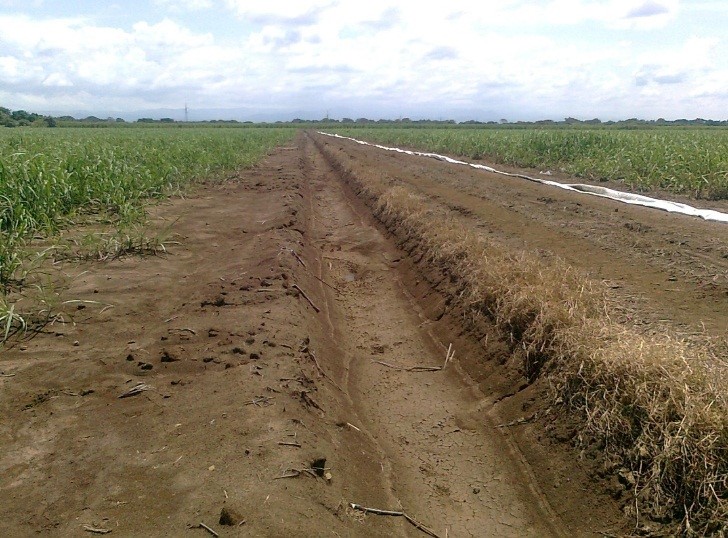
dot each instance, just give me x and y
(688, 63)
(73, 53)
(619, 14)
(189, 5)
(536, 57)
(10, 66)
(17, 4)
(303, 12)
(58, 80)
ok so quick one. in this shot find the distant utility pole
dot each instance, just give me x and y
(186, 116)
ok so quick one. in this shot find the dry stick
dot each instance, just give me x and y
(315, 360)
(325, 283)
(208, 529)
(352, 426)
(321, 370)
(7, 375)
(295, 473)
(412, 520)
(259, 400)
(309, 272)
(288, 443)
(376, 511)
(448, 357)
(424, 369)
(411, 368)
(393, 366)
(291, 473)
(420, 526)
(94, 530)
(316, 308)
(297, 257)
(136, 389)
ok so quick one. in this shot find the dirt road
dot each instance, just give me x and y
(274, 341)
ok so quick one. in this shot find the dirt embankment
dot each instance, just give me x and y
(649, 409)
(282, 329)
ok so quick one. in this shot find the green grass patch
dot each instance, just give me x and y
(693, 162)
(53, 178)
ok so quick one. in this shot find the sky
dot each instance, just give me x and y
(277, 60)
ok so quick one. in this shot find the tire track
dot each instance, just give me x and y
(314, 228)
(440, 460)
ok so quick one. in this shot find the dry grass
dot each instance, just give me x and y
(32, 298)
(656, 406)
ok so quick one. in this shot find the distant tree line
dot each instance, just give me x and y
(566, 122)
(22, 118)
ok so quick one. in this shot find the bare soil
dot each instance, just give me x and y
(267, 338)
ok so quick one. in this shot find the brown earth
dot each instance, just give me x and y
(266, 336)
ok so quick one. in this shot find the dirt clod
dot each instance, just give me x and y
(319, 466)
(168, 357)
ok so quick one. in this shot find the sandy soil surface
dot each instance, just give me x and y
(265, 340)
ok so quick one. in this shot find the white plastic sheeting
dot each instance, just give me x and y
(625, 197)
